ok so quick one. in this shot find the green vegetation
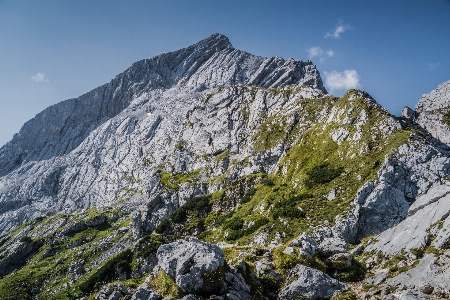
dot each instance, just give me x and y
(165, 285)
(111, 269)
(180, 145)
(446, 118)
(321, 174)
(172, 181)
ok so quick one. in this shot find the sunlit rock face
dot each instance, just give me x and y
(101, 146)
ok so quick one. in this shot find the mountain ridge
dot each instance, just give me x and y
(215, 143)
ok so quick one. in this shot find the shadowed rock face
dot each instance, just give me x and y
(73, 154)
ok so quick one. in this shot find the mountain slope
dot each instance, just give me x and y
(215, 143)
(103, 136)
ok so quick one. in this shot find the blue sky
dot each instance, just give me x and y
(55, 50)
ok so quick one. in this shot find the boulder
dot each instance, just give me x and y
(308, 283)
(412, 295)
(330, 246)
(144, 292)
(432, 271)
(196, 267)
(307, 245)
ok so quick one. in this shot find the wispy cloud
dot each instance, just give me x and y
(338, 30)
(347, 79)
(314, 51)
(433, 66)
(330, 53)
(39, 77)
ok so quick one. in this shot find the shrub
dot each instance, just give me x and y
(26, 239)
(235, 223)
(355, 272)
(161, 228)
(418, 252)
(248, 195)
(321, 174)
(108, 271)
(446, 118)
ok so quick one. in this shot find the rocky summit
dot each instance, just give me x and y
(212, 173)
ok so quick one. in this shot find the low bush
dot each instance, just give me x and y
(321, 174)
(110, 270)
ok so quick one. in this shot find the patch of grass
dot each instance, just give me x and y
(356, 272)
(165, 285)
(173, 181)
(446, 118)
(107, 271)
(347, 295)
(321, 174)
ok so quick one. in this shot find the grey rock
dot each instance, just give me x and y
(115, 295)
(409, 113)
(357, 250)
(378, 277)
(330, 246)
(190, 261)
(236, 287)
(305, 282)
(18, 253)
(432, 271)
(307, 245)
(190, 297)
(76, 270)
(289, 250)
(412, 294)
(144, 292)
(431, 109)
(413, 231)
(426, 289)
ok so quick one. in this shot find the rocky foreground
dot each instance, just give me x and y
(211, 173)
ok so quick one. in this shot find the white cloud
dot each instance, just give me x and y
(347, 79)
(314, 51)
(338, 30)
(433, 66)
(39, 77)
(330, 53)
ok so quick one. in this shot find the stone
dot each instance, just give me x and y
(330, 246)
(412, 294)
(144, 292)
(409, 113)
(307, 245)
(431, 109)
(289, 250)
(357, 250)
(413, 231)
(308, 283)
(115, 295)
(194, 265)
(431, 271)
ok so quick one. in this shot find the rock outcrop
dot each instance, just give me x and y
(310, 283)
(196, 267)
(433, 112)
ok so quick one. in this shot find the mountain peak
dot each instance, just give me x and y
(216, 39)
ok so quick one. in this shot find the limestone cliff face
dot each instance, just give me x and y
(93, 149)
(433, 112)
